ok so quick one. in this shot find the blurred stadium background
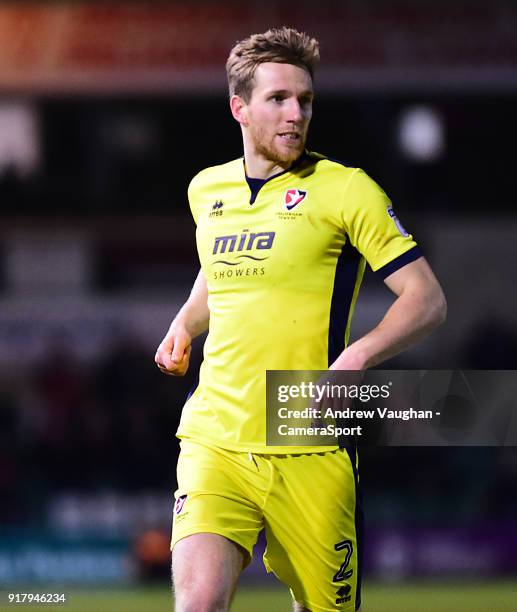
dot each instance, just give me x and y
(106, 112)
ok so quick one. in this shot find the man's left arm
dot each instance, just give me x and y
(419, 309)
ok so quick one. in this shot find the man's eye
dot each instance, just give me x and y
(277, 98)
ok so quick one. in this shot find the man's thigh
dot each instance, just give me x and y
(205, 570)
(217, 491)
(314, 530)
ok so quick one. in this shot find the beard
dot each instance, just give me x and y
(266, 147)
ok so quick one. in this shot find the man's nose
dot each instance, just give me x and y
(295, 113)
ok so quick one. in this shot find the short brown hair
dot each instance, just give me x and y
(281, 45)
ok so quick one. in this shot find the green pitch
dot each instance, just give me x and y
(424, 597)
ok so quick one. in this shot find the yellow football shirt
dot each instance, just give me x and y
(283, 260)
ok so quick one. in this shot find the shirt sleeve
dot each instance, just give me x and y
(374, 229)
(192, 199)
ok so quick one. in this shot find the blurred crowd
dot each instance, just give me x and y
(70, 425)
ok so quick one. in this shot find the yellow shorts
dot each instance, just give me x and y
(306, 503)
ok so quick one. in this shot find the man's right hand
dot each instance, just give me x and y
(173, 355)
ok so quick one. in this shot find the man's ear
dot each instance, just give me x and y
(239, 110)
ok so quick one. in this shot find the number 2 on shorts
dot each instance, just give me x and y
(342, 574)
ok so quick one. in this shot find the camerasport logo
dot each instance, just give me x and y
(180, 502)
(294, 197)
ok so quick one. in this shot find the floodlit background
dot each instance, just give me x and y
(106, 112)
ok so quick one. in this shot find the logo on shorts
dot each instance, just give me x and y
(293, 197)
(343, 594)
(180, 502)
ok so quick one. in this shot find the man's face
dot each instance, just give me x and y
(279, 111)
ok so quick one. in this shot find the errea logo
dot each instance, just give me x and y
(217, 209)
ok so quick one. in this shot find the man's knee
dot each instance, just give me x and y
(202, 601)
(205, 570)
(201, 596)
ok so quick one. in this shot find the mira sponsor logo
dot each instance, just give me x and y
(246, 241)
(239, 254)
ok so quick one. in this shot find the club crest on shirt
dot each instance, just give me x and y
(180, 502)
(293, 197)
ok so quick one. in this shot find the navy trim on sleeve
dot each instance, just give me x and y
(402, 260)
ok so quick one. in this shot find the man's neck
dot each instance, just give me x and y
(260, 168)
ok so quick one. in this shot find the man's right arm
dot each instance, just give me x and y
(173, 354)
